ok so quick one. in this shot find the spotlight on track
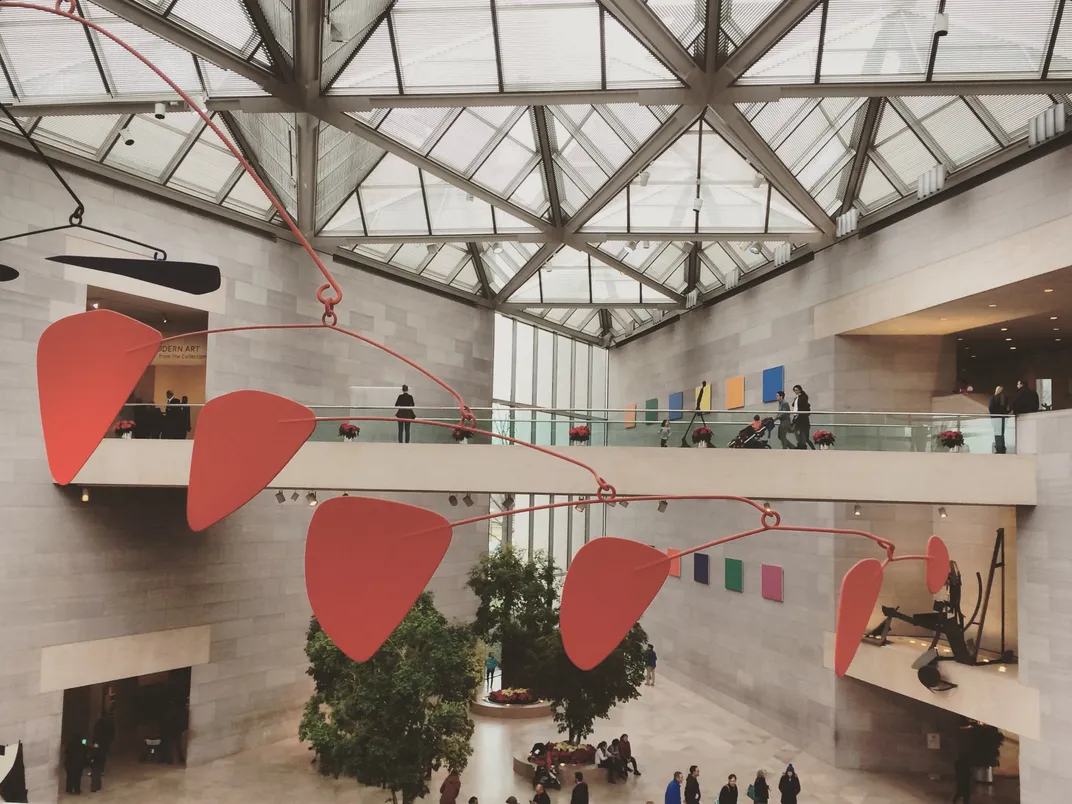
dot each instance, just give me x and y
(755, 248)
(663, 504)
(497, 247)
(85, 495)
(431, 248)
(697, 204)
(468, 500)
(453, 499)
(631, 246)
(280, 497)
(625, 503)
(856, 510)
(942, 512)
(126, 136)
(580, 507)
(508, 501)
(311, 498)
(294, 497)
(95, 305)
(643, 177)
(159, 111)
(757, 180)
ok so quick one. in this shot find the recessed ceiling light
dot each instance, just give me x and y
(960, 339)
(1008, 339)
(973, 355)
(993, 305)
(1056, 329)
(1052, 317)
(944, 319)
(1012, 348)
(1057, 339)
(1048, 290)
(1004, 329)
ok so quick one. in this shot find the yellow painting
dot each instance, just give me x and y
(705, 399)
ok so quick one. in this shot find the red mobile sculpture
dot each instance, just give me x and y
(353, 543)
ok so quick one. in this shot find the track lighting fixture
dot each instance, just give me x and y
(468, 500)
(755, 248)
(942, 512)
(642, 178)
(497, 247)
(280, 497)
(470, 197)
(95, 305)
(625, 503)
(431, 248)
(508, 501)
(856, 510)
(159, 111)
(453, 499)
(647, 244)
(757, 180)
(126, 136)
(662, 506)
(346, 494)
(85, 495)
(631, 246)
(697, 204)
(335, 33)
(580, 507)
(294, 497)
(311, 498)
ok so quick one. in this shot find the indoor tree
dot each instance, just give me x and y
(393, 720)
(518, 606)
(580, 697)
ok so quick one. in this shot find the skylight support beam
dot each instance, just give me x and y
(235, 131)
(862, 141)
(731, 123)
(713, 51)
(144, 106)
(481, 272)
(748, 93)
(631, 272)
(308, 30)
(763, 38)
(546, 155)
(604, 305)
(692, 268)
(360, 261)
(535, 262)
(271, 44)
(458, 100)
(923, 134)
(637, 18)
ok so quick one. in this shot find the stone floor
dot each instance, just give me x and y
(669, 727)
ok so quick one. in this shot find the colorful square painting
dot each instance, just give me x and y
(701, 568)
(630, 416)
(651, 411)
(675, 563)
(704, 398)
(772, 582)
(735, 574)
(773, 382)
(674, 404)
(734, 393)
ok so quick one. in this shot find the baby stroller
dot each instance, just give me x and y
(751, 438)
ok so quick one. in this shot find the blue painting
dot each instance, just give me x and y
(773, 382)
(701, 568)
(675, 403)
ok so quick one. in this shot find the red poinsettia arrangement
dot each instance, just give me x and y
(824, 438)
(349, 431)
(512, 696)
(702, 434)
(461, 434)
(567, 754)
(951, 438)
(581, 433)
(124, 426)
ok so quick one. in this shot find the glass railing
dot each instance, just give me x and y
(871, 431)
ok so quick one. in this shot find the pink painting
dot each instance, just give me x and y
(772, 582)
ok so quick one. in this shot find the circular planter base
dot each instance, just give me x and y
(510, 711)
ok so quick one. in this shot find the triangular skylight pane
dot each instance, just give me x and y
(445, 45)
(223, 82)
(452, 209)
(629, 63)
(1061, 64)
(83, 134)
(280, 17)
(445, 263)
(378, 251)
(49, 56)
(372, 70)
(957, 130)
(901, 149)
(347, 221)
(248, 198)
(529, 292)
(550, 45)
(613, 217)
(466, 278)
(792, 60)
(877, 41)
(392, 200)
(740, 19)
(875, 189)
(685, 19)
(1013, 112)
(156, 143)
(416, 128)
(224, 21)
(784, 217)
(503, 265)
(343, 161)
(206, 168)
(465, 142)
(511, 158)
(349, 21)
(1007, 39)
(532, 192)
(505, 222)
(273, 140)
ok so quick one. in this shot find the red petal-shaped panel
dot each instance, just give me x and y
(87, 366)
(610, 584)
(937, 564)
(243, 440)
(859, 593)
(366, 562)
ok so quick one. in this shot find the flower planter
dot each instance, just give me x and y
(825, 446)
(349, 439)
(703, 444)
(127, 434)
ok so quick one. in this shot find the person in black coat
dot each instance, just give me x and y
(405, 405)
(103, 737)
(801, 418)
(789, 786)
(580, 790)
(760, 788)
(186, 415)
(692, 786)
(999, 408)
(1026, 401)
(174, 420)
(74, 763)
(962, 773)
(728, 793)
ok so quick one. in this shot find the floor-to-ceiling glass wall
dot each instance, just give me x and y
(543, 384)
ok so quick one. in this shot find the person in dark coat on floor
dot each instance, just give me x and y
(541, 796)
(104, 736)
(692, 786)
(962, 772)
(74, 763)
(580, 789)
(728, 793)
(760, 788)
(95, 760)
(1026, 401)
(186, 415)
(789, 786)
(405, 405)
(999, 408)
(451, 787)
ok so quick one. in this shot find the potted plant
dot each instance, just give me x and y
(512, 697)
(580, 434)
(984, 750)
(824, 438)
(124, 428)
(701, 436)
(349, 431)
(952, 440)
(461, 434)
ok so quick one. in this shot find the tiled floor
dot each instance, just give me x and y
(669, 727)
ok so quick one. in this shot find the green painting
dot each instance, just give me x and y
(734, 575)
(651, 411)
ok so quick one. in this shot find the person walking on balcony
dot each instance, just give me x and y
(664, 433)
(801, 419)
(1026, 401)
(405, 405)
(999, 408)
(783, 421)
(650, 660)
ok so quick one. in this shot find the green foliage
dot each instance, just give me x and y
(392, 720)
(580, 697)
(518, 605)
(984, 745)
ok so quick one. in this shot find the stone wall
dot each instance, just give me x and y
(126, 563)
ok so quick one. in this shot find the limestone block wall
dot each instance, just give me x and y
(126, 563)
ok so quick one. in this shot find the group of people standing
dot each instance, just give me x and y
(173, 422)
(759, 791)
(1025, 401)
(794, 417)
(82, 753)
